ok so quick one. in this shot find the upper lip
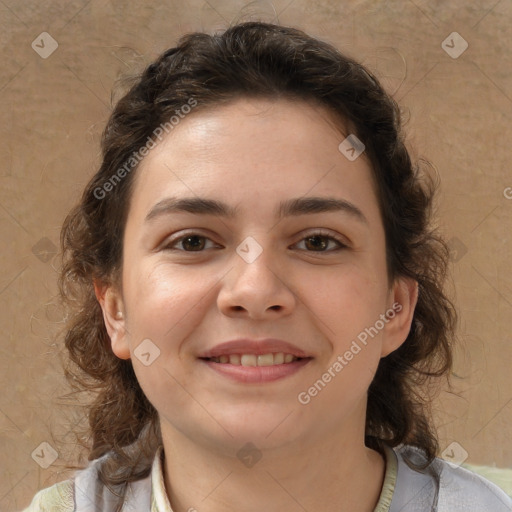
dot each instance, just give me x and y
(257, 347)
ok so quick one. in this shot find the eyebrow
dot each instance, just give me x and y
(288, 208)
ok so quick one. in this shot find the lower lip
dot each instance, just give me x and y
(257, 373)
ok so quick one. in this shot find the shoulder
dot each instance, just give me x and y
(444, 487)
(86, 492)
(74, 494)
(66, 496)
(470, 491)
(57, 498)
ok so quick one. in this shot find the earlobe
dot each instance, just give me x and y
(113, 316)
(404, 297)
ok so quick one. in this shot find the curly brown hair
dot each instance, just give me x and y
(253, 59)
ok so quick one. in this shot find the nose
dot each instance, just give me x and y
(256, 289)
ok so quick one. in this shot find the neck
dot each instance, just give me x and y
(332, 474)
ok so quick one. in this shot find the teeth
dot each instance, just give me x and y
(249, 360)
(234, 359)
(266, 360)
(255, 360)
(279, 358)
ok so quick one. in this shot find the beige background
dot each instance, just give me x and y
(52, 111)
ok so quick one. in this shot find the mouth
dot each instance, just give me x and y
(255, 361)
(255, 368)
(270, 359)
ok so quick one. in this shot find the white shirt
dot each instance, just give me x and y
(404, 490)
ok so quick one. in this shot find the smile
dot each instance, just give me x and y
(255, 360)
(256, 369)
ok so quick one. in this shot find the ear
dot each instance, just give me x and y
(402, 303)
(113, 316)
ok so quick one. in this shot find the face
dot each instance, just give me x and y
(197, 275)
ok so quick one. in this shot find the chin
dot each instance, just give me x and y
(265, 429)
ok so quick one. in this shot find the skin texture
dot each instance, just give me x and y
(252, 154)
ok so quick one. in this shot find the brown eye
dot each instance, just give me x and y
(319, 242)
(191, 242)
(195, 243)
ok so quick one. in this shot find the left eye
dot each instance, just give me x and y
(321, 241)
(196, 242)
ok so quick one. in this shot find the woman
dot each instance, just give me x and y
(259, 290)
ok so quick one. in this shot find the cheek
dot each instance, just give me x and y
(164, 307)
(163, 304)
(347, 298)
(161, 288)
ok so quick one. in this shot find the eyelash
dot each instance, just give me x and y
(320, 233)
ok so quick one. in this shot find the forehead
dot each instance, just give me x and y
(253, 147)
(261, 123)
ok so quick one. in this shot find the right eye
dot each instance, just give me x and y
(190, 242)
